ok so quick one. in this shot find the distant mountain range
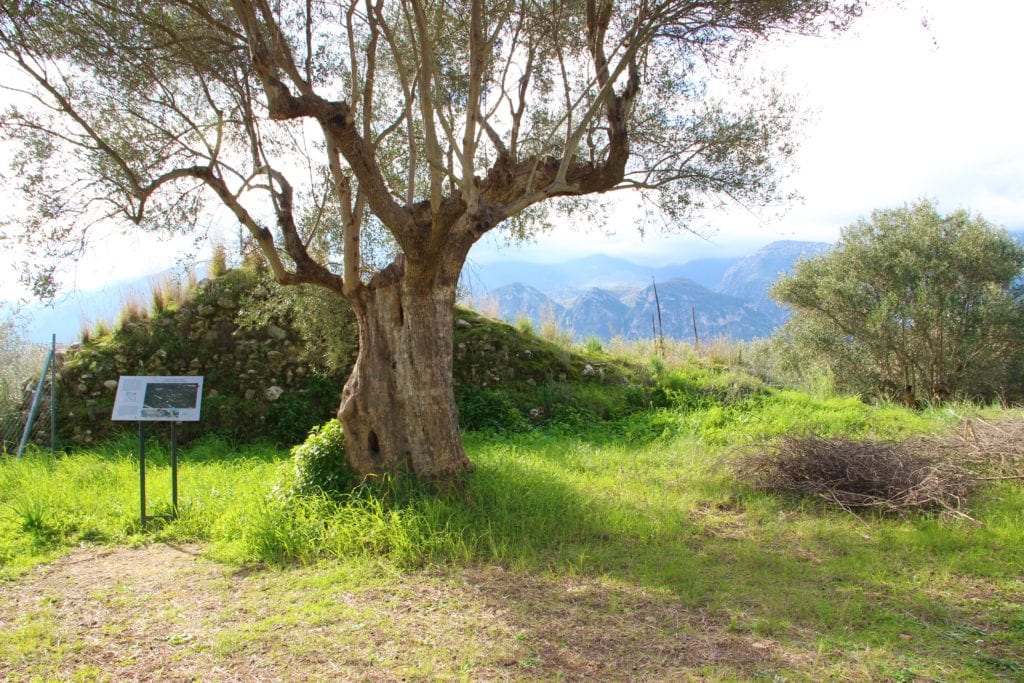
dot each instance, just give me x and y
(597, 270)
(70, 313)
(604, 297)
(601, 296)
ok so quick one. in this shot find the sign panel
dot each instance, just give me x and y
(158, 399)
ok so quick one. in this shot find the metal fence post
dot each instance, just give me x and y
(53, 394)
(142, 473)
(35, 405)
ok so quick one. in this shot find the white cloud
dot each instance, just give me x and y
(907, 111)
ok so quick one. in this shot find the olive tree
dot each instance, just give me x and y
(321, 125)
(911, 304)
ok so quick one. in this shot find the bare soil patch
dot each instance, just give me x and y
(162, 612)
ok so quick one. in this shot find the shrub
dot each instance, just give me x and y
(911, 304)
(102, 328)
(488, 410)
(549, 328)
(781, 362)
(131, 311)
(525, 326)
(219, 261)
(170, 293)
(320, 464)
(159, 297)
(697, 388)
(233, 417)
(290, 418)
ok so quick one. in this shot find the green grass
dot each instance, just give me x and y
(640, 501)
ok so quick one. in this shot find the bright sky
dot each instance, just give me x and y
(900, 111)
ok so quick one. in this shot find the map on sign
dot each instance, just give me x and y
(158, 399)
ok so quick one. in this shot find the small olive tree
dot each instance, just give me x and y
(912, 305)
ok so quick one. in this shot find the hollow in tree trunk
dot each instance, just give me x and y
(398, 407)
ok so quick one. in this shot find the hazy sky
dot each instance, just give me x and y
(920, 101)
(923, 100)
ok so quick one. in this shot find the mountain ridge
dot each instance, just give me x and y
(594, 295)
(622, 302)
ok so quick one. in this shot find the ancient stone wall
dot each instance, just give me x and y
(257, 382)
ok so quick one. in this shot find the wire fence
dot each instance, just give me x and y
(27, 391)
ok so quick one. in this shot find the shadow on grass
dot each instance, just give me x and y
(579, 627)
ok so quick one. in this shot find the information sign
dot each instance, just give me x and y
(158, 399)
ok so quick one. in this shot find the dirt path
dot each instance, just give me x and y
(162, 612)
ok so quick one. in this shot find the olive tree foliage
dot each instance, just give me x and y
(320, 126)
(912, 305)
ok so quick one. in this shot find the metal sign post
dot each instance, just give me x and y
(35, 405)
(143, 517)
(174, 469)
(142, 473)
(158, 399)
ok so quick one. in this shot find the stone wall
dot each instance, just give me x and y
(257, 382)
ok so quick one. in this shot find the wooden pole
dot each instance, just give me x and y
(661, 330)
(696, 339)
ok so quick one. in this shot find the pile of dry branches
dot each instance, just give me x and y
(928, 473)
(882, 475)
(990, 451)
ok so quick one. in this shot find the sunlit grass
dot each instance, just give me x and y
(642, 501)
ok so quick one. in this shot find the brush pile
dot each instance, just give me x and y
(990, 450)
(928, 473)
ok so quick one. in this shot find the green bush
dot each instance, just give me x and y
(525, 326)
(912, 305)
(488, 410)
(219, 261)
(320, 464)
(233, 417)
(699, 388)
(640, 397)
(783, 363)
(290, 417)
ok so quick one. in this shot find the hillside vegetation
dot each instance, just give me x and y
(268, 377)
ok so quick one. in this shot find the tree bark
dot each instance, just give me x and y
(398, 407)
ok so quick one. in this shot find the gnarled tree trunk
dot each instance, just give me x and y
(398, 407)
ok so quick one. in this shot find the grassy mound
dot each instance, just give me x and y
(507, 379)
(265, 380)
(258, 383)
